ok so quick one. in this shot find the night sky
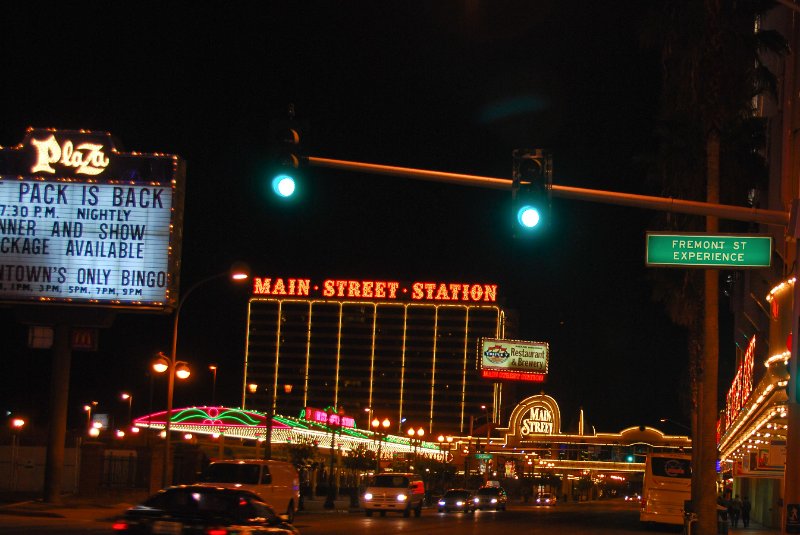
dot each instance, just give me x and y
(454, 86)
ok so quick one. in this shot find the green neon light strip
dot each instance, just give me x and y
(232, 415)
(290, 422)
(354, 433)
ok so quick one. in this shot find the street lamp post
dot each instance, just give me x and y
(253, 388)
(213, 368)
(468, 450)
(16, 426)
(129, 398)
(334, 419)
(88, 408)
(488, 437)
(376, 425)
(684, 426)
(238, 273)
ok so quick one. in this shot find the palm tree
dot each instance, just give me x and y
(712, 70)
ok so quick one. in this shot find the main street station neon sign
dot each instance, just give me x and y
(384, 290)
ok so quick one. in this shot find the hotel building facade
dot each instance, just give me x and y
(386, 349)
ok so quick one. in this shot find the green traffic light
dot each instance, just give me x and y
(528, 216)
(283, 185)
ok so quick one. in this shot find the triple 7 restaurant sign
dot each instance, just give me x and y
(513, 360)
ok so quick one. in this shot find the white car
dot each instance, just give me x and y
(546, 498)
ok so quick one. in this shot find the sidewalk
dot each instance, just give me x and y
(754, 529)
(102, 509)
(317, 506)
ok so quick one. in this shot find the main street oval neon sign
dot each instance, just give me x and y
(536, 415)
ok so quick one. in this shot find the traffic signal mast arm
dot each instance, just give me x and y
(666, 204)
(789, 220)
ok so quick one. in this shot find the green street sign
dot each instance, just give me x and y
(708, 250)
(484, 456)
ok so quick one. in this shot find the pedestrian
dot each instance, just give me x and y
(735, 510)
(746, 511)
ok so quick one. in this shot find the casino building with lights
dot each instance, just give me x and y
(406, 351)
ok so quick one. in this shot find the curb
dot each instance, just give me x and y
(22, 512)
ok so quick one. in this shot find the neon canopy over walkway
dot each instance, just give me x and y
(252, 425)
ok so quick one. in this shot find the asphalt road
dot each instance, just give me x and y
(604, 517)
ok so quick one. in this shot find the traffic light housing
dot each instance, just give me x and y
(532, 172)
(286, 155)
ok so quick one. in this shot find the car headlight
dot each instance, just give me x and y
(368, 496)
(401, 497)
(441, 502)
(494, 500)
(477, 500)
(547, 500)
(459, 504)
(538, 500)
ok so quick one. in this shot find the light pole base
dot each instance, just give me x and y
(329, 499)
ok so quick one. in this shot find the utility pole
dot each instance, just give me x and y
(704, 475)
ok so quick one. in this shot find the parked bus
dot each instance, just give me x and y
(667, 484)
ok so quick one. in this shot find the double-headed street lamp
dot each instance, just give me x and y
(442, 440)
(270, 415)
(179, 369)
(415, 438)
(376, 426)
(238, 272)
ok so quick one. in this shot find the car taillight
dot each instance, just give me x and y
(119, 525)
(216, 531)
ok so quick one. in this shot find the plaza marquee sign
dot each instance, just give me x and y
(708, 250)
(82, 223)
(381, 290)
(513, 360)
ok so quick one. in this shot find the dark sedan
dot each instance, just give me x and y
(196, 510)
(457, 500)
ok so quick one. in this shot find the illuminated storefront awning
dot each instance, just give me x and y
(252, 425)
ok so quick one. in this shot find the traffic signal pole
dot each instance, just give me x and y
(790, 222)
(665, 204)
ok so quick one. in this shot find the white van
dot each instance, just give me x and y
(276, 482)
(390, 491)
